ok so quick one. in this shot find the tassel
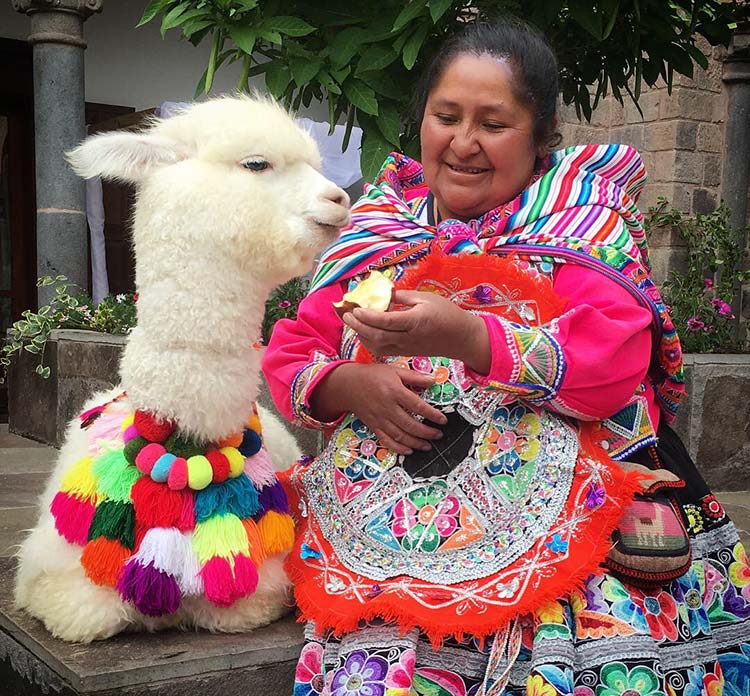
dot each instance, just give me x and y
(257, 554)
(73, 516)
(237, 496)
(79, 479)
(172, 552)
(116, 521)
(153, 592)
(225, 584)
(114, 475)
(186, 523)
(260, 469)
(103, 559)
(274, 498)
(105, 432)
(156, 505)
(276, 532)
(221, 535)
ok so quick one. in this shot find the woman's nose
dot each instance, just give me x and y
(464, 143)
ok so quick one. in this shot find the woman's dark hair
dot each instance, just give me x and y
(531, 60)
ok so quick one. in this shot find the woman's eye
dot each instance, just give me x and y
(494, 126)
(446, 118)
(256, 165)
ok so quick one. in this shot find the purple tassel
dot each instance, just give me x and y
(152, 591)
(274, 498)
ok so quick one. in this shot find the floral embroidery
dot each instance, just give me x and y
(739, 570)
(308, 677)
(361, 675)
(623, 605)
(660, 610)
(304, 379)
(694, 518)
(449, 376)
(398, 681)
(621, 681)
(691, 609)
(711, 507)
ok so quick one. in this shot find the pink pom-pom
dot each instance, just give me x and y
(147, 456)
(178, 474)
(130, 432)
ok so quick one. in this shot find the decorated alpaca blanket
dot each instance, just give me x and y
(579, 208)
(161, 517)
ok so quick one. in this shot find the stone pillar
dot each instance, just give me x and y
(59, 124)
(736, 180)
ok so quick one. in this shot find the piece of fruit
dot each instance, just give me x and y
(374, 292)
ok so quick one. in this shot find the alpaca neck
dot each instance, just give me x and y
(191, 357)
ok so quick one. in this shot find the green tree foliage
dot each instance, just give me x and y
(361, 56)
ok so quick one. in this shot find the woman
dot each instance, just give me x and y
(451, 535)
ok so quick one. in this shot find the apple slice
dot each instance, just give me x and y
(374, 292)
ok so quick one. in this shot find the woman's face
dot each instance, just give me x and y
(478, 148)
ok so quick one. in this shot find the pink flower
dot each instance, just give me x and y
(695, 324)
(708, 283)
(284, 304)
(724, 308)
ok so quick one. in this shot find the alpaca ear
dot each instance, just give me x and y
(128, 157)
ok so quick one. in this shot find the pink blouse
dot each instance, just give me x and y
(602, 344)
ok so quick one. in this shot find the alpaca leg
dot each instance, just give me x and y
(270, 602)
(279, 442)
(52, 586)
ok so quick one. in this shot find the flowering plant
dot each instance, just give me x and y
(700, 297)
(68, 309)
(282, 304)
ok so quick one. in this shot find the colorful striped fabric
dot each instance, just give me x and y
(580, 208)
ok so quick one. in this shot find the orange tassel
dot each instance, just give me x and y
(102, 559)
(257, 552)
(276, 532)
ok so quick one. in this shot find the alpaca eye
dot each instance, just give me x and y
(256, 164)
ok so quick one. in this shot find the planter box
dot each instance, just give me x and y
(715, 422)
(81, 364)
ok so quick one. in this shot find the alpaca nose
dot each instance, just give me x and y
(337, 196)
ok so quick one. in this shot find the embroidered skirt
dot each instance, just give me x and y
(688, 638)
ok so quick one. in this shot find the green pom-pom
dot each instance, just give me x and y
(133, 447)
(114, 521)
(115, 476)
(181, 446)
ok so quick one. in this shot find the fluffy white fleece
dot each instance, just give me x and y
(230, 204)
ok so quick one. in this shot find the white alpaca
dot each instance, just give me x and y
(230, 204)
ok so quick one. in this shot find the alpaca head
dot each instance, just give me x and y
(232, 179)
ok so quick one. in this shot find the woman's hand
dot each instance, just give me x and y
(380, 396)
(429, 325)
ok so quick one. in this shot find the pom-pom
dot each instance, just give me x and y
(183, 447)
(156, 505)
(251, 443)
(199, 472)
(219, 465)
(130, 434)
(236, 460)
(163, 464)
(224, 585)
(276, 532)
(237, 496)
(221, 535)
(153, 592)
(172, 552)
(260, 469)
(115, 521)
(234, 440)
(127, 421)
(132, 448)
(114, 475)
(254, 424)
(177, 479)
(73, 516)
(256, 545)
(79, 479)
(102, 560)
(274, 498)
(152, 428)
(146, 458)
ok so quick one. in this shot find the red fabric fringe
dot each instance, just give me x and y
(156, 505)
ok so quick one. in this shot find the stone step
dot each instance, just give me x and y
(170, 663)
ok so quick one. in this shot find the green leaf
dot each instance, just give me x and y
(245, 37)
(679, 60)
(612, 7)
(329, 83)
(345, 45)
(272, 36)
(291, 26)
(278, 77)
(413, 45)
(153, 9)
(176, 16)
(375, 148)
(45, 373)
(389, 124)
(383, 84)
(248, 4)
(581, 12)
(213, 61)
(191, 28)
(438, 8)
(412, 10)
(304, 70)
(376, 57)
(31, 348)
(361, 96)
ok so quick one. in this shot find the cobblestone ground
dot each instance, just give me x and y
(25, 465)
